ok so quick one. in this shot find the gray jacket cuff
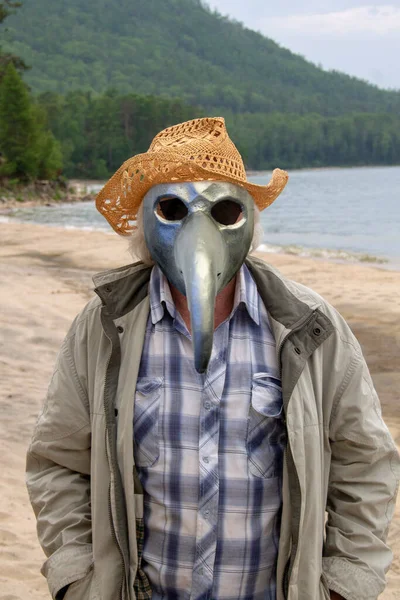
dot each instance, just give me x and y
(351, 581)
(66, 566)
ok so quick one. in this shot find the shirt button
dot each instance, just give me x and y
(207, 405)
(206, 459)
(201, 571)
(206, 514)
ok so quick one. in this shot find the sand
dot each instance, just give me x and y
(45, 279)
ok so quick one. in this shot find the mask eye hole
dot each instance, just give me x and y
(172, 209)
(227, 212)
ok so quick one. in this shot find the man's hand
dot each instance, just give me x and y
(335, 596)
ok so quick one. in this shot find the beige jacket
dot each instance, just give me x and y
(340, 460)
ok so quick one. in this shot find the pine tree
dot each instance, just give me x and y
(6, 9)
(28, 150)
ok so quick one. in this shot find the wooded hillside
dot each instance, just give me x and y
(177, 48)
(107, 75)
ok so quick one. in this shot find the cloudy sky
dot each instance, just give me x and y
(348, 35)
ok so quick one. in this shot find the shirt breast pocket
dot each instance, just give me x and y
(146, 424)
(265, 430)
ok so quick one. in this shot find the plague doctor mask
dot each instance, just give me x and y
(191, 228)
(199, 234)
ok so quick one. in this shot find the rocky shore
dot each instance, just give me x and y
(42, 193)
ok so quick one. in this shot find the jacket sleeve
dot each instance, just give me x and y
(58, 476)
(362, 489)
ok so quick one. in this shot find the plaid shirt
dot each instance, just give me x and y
(208, 450)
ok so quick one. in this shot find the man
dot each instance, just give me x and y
(211, 430)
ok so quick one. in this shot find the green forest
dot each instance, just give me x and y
(84, 85)
(176, 48)
(98, 133)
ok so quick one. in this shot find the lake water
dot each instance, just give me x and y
(342, 214)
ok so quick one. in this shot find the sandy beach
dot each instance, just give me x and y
(45, 279)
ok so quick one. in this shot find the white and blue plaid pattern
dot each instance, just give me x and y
(208, 450)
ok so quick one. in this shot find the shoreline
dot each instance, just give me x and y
(43, 193)
(349, 243)
(252, 173)
(337, 256)
(45, 280)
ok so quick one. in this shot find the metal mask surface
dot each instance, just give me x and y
(199, 234)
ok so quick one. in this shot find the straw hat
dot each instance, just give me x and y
(198, 150)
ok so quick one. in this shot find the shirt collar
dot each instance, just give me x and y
(246, 293)
(160, 296)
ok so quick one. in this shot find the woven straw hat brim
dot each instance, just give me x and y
(122, 195)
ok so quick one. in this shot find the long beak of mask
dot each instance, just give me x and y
(201, 255)
(199, 234)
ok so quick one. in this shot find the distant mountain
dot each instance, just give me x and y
(177, 48)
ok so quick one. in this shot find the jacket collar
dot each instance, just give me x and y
(280, 301)
(122, 289)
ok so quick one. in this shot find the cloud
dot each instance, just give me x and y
(347, 35)
(379, 20)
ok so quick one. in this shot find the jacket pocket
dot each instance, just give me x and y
(265, 430)
(146, 424)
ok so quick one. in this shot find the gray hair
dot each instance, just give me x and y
(138, 247)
